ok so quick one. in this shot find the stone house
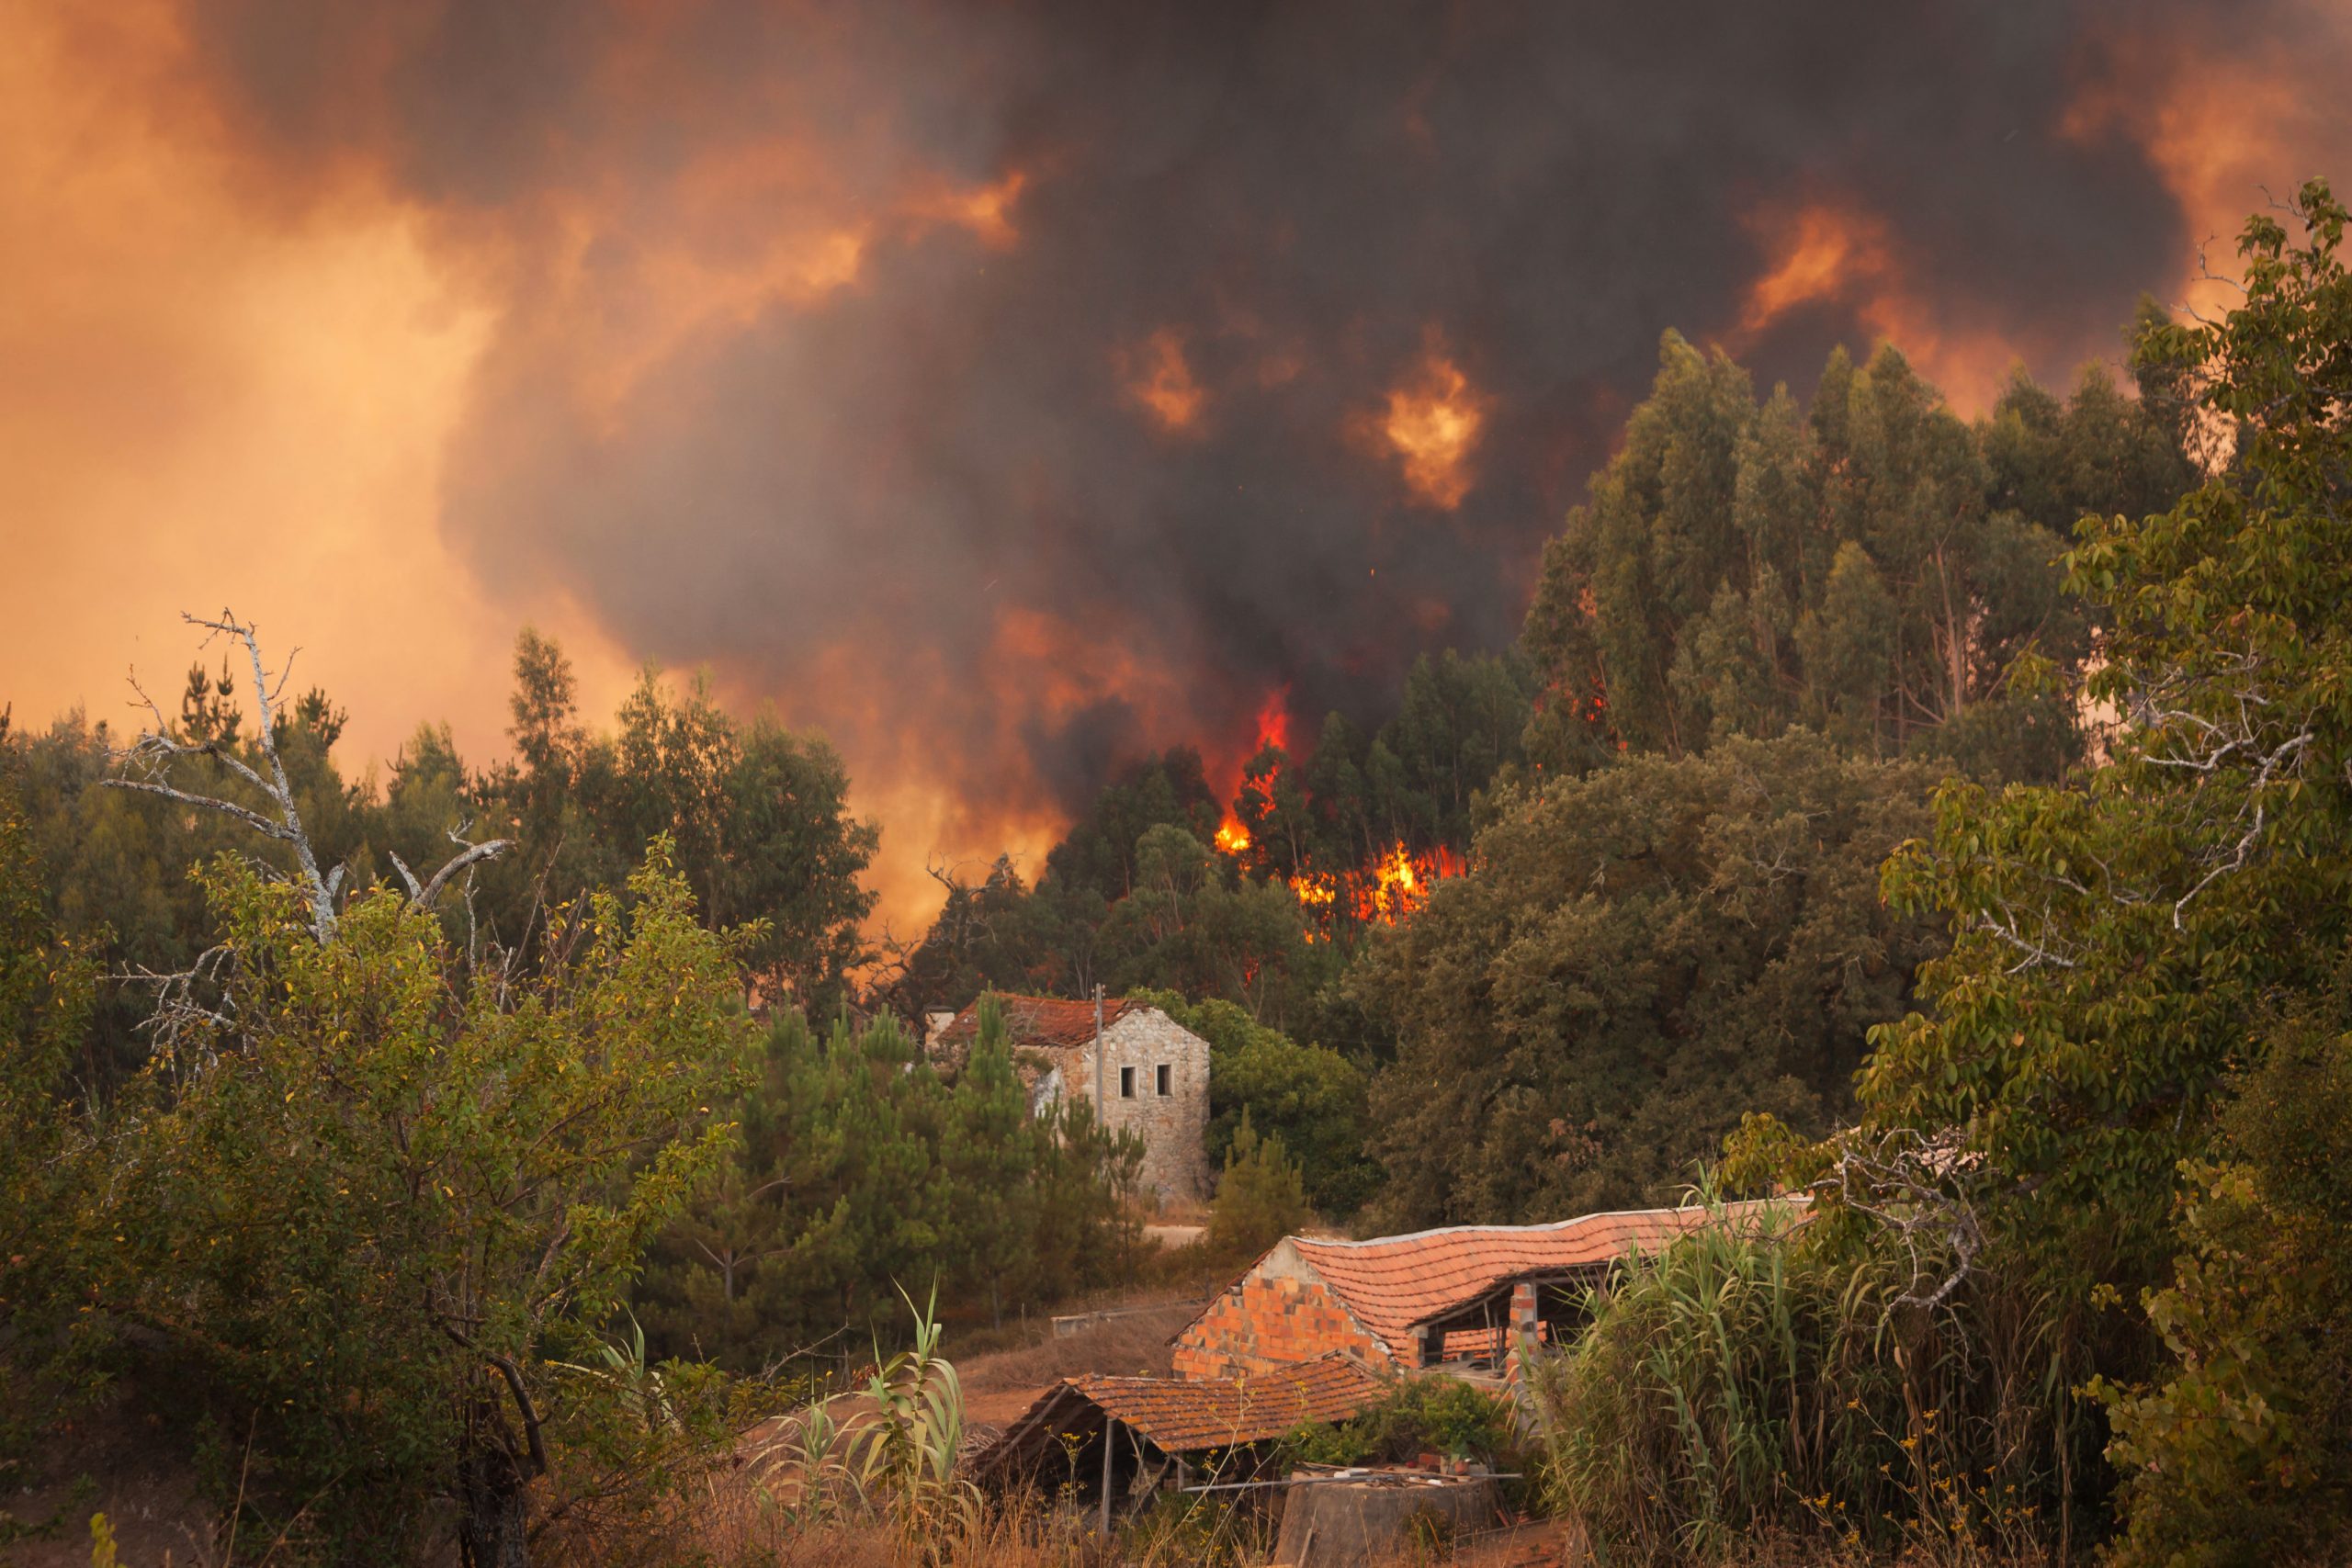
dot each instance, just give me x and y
(1143, 1073)
(1456, 1299)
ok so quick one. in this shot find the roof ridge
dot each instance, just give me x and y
(1546, 1227)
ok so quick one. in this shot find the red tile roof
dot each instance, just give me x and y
(1187, 1414)
(1395, 1283)
(1038, 1022)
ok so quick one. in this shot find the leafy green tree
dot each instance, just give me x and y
(861, 1171)
(988, 1149)
(758, 816)
(1872, 564)
(997, 934)
(2118, 941)
(1195, 926)
(1098, 855)
(2113, 939)
(2240, 1453)
(373, 1196)
(1635, 959)
(47, 987)
(1311, 1098)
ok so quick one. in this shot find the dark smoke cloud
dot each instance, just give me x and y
(843, 502)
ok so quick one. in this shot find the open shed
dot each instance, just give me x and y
(1123, 1437)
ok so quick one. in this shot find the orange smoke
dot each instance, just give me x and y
(1432, 424)
(1830, 251)
(1158, 380)
(1824, 252)
(2227, 123)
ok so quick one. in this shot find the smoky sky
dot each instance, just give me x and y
(921, 505)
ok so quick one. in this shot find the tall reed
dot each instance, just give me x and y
(1744, 1380)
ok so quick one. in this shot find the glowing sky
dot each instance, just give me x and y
(1004, 390)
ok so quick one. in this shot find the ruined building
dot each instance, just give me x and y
(1148, 1074)
(1456, 1299)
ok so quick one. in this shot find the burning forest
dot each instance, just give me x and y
(881, 762)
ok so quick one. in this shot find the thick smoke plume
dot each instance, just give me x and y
(1010, 389)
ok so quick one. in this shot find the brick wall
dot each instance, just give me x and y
(1172, 1125)
(1267, 1321)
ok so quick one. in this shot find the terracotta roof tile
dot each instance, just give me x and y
(1187, 1414)
(1053, 1022)
(1394, 1283)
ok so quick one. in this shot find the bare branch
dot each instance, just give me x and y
(473, 855)
(416, 893)
(1903, 1182)
(253, 819)
(157, 750)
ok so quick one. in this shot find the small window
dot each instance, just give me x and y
(1127, 1083)
(1163, 1073)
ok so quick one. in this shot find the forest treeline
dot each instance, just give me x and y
(1946, 818)
(1774, 627)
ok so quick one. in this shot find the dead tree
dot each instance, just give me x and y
(148, 764)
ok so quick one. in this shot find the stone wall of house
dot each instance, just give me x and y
(1172, 1124)
(1267, 1321)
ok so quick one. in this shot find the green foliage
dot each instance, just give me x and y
(1193, 925)
(379, 1191)
(859, 1169)
(47, 985)
(46, 989)
(2242, 1454)
(1741, 1382)
(904, 1452)
(997, 935)
(1429, 1414)
(756, 817)
(1313, 1099)
(1636, 958)
(1872, 565)
(1258, 1198)
(2114, 938)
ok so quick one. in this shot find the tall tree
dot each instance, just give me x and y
(1635, 960)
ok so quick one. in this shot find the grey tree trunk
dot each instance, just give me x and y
(493, 1530)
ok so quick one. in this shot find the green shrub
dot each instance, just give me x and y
(2244, 1453)
(1425, 1415)
(1259, 1199)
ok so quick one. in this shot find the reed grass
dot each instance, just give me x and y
(1741, 1385)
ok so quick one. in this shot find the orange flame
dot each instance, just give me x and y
(1232, 838)
(1391, 890)
(1434, 424)
(1273, 720)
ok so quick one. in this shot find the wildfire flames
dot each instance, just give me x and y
(1434, 422)
(1388, 891)
(1385, 892)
